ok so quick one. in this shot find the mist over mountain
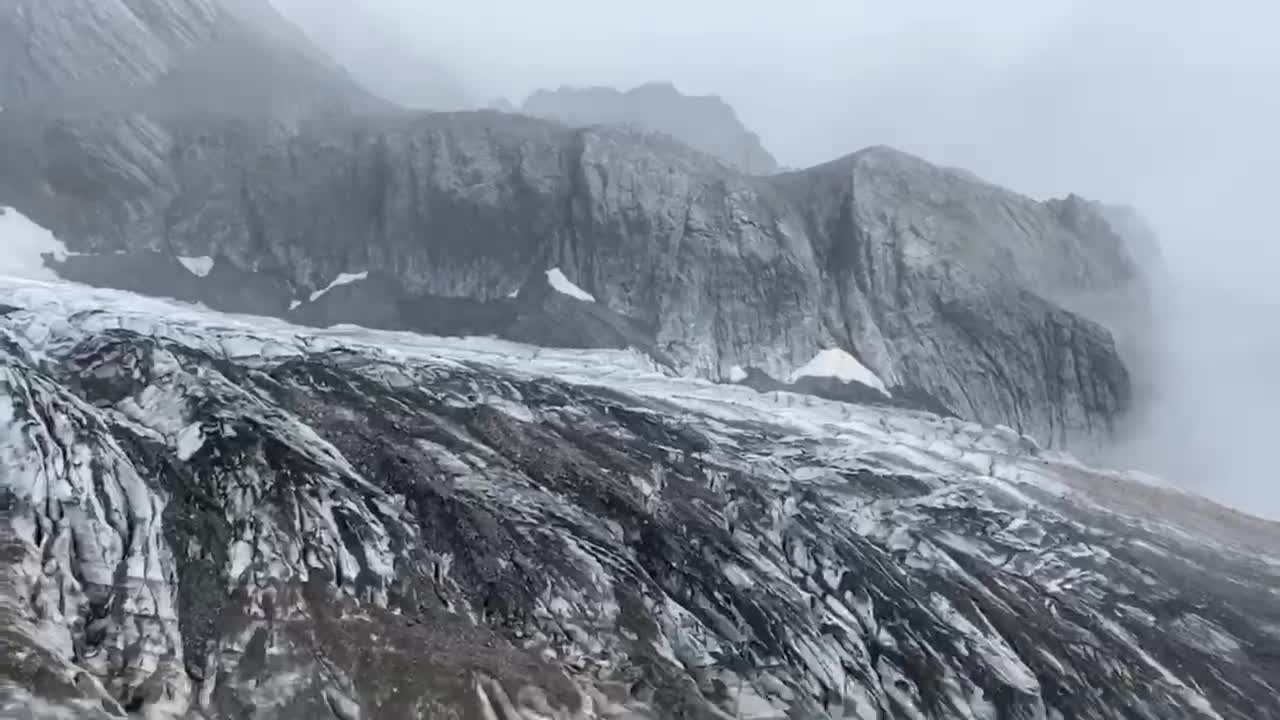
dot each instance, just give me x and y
(383, 57)
(705, 123)
(947, 288)
(316, 403)
(1150, 105)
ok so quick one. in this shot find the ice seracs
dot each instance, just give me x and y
(24, 245)
(199, 266)
(564, 286)
(343, 279)
(838, 364)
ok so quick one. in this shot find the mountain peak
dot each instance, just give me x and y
(706, 123)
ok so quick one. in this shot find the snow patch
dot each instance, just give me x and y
(294, 305)
(838, 364)
(562, 285)
(23, 245)
(343, 279)
(189, 441)
(737, 374)
(199, 266)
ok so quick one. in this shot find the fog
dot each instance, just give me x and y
(1168, 106)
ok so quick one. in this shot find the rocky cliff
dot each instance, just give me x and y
(706, 123)
(205, 516)
(944, 287)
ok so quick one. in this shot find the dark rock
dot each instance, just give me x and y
(558, 541)
(967, 293)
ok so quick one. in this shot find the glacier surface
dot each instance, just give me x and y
(205, 514)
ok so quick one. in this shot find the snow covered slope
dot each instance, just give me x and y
(838, 364)
(24, 246)
(205, 515)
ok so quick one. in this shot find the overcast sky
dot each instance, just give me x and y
(1170, 106)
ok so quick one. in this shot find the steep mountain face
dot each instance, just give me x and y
(706, 123)
(235, 57)
(58, 48)
(209, 516)
(934, 281)
(947, 289)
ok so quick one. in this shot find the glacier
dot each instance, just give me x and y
(208, 515)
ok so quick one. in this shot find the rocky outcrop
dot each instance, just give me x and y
(934, 280)
(706, 123)
(946, 287)
(236, 58)
(95, 48)
(202, 516)
(536, 313)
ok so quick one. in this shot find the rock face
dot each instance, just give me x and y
(236, 57)
(55, 49)
(706, 123)
(947, 288)
(204, 517)
(933, 280)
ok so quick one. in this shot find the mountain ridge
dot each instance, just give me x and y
(706, 123)
(942, 285)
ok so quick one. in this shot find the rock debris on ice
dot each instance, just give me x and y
(275, 503)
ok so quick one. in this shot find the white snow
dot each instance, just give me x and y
(60, 315)
(562, 285)
(343, 279)
(737, 374)
(23, 245)
(294, 304)
(189, 441)
(838, 364)
(199, 266)
(954, 457)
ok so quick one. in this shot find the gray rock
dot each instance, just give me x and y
(933, 280)
(945, 286)
(706, 123)
(58, 48)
